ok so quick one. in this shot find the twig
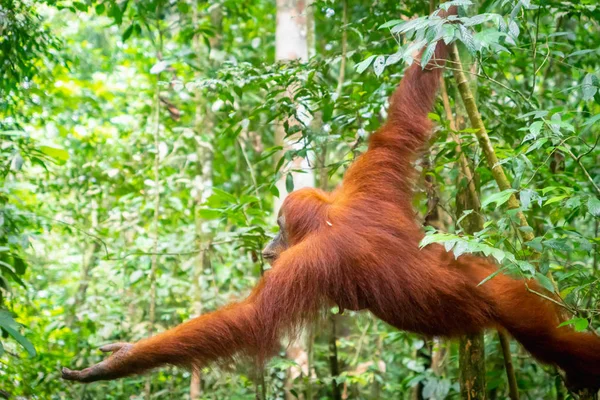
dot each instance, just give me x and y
(550, 299)
(251, 169)
(360, 343)
(585, 171)
(537, 29)
(509, 366)
(590, 150)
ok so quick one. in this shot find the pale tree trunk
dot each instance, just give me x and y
(203, 123)
(291, 43)
(293, 33)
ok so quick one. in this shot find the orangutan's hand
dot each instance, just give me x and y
(104, 370)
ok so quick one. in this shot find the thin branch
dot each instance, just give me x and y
(535, 41)
(563, 305)
(464, 163)
(585, 171)
(590, 150)
(251, 169)
(341, 76)
(96, 238)
(360, 343)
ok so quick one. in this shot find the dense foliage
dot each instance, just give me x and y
(99, 98)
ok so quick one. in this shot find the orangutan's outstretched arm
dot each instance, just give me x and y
(385, 171)
(291, 293)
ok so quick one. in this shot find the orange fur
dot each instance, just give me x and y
(358, 247)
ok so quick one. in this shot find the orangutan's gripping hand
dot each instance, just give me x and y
(104, 370)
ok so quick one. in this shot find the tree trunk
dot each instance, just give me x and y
(294, 27)
(471, 347)
(472, 198)
(291, 43)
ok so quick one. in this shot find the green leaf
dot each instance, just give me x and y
(535, 114)
(127, 33)
(557, 244)
(593, 205)
(433, 117)
(222, 196)
(19, 265)
(7, 268)
(449, 32)
(592, 120)
(573, 202)
(446, 5)
(556, 199)
(10, 326)
(80, 6)
(477, 19)
(549, 189)
(566, 291)
(588, 88)
(535, 244)
(513, 29)
(289, 183)
(427, 54)
(116, 13)
(391, 23)
(135, 276)
(580, 52)
(526, 196)
(467, 38)
(536, 145)
(536, 128)
(526, 267)
(210, 214)
(545, 282)
(413, 24)
(579, 324)
(491, 276)
(58, 155)
(363, 65)
(436, 238)
(498, 198)
(379, 65)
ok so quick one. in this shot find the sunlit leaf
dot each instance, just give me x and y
(498, 198)
(59, 155)
(579, 324)
(363, 65)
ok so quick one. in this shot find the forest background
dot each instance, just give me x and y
(139, 177)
